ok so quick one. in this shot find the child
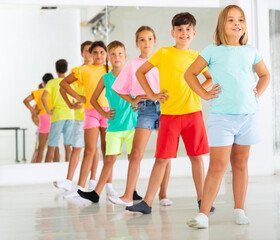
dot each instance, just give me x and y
(148, 114)
(78, 132)
(180, 109)
(44, 118)
(88, 77)
(232, 121)
(121, 118)
(61, 115)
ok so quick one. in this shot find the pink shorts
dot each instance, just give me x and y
(44, 123)
(93, 119)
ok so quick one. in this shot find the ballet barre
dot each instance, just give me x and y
(16, 129)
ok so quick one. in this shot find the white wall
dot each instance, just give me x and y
(31, 41)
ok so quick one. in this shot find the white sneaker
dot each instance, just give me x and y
(91, 185)
(118, 201)
(165, 202)
(65, 185)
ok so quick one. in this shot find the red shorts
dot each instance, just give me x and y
(190, 126)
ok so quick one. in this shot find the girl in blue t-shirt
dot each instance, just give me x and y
(232, 120)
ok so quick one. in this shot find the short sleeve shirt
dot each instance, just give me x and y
(127, 83)
(232, 68)
(172, 64)
(125, 118)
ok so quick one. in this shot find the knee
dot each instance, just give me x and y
(239, 164)
(109, 160)
(162, 161)
(217, 168)
(89, 150)
(135, 155)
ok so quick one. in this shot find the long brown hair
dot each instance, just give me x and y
(100, 44)
(219, 35)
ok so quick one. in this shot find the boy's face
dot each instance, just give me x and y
(183, 34)
(86, 54)
(117, 56)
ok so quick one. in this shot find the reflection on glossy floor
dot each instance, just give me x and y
(39, 212)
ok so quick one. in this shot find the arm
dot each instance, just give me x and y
(34, 116)
(191, 78)
(98, 90)
(264, 77)
(75, 105)
(65, 85)
(208, 82)
(27, 101)
(140, 75)
(45, 104)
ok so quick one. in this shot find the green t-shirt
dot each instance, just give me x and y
(61, 111)
(125, 118)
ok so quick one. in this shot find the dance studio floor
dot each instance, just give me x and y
(39, 212)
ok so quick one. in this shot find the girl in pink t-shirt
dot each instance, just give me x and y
(128, 87)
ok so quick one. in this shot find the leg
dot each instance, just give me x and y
(74, 159)
(103, 149)
(67, 152)
(154, 184)
(163, 186)
(219, 159)
(105, 174)
(94, 165)
(239, 160)
(43, 138)
(56, 155)
(91, 136)
(198, 174)
(50, 154)
(141, 138)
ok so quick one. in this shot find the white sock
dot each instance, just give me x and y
(65, 184)
(73, 193)
(200, 221)
(91, 185)
(110, 190)
(240, 217)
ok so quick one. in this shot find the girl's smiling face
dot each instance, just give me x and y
(234, 26)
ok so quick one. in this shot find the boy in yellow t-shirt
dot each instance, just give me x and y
(62, 117)
(180, 108)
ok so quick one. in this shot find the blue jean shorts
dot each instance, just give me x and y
(226, 129)
(58, 127)
(78, 134)
(148, 115)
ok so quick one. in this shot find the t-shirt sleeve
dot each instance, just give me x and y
(195, 57)
(155, 59)
(258, 56)
(78, 75)
(35, 96)
(206, 53)
(123, 83)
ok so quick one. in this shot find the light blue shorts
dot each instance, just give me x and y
(58, 127)
(148, 115)
(225, 129)
(78, 134)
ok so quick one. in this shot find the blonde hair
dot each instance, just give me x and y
(219, 35)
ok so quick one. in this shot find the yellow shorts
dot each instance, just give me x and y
(115, 140)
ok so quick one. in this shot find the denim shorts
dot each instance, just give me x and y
(58, 127)
(226, 129)
(148, 115)
(78, 134)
